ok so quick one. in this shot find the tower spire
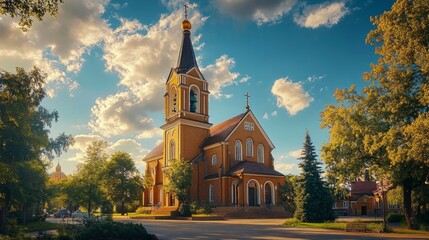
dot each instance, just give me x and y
(187, 58)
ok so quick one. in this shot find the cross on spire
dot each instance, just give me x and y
(186, 10)
(247, 101)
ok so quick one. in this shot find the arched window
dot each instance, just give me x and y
(211, 193)
(194, 96)
(234, 193)
(238, 151)
(214, 160)
(249, 147)
(269, 193)
(260, 153)
(172, 150)
(173, 100)
(151, 196)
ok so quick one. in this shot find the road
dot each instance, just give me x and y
(252, 229)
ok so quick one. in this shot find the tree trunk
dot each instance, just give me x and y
(3, 214)
(407, 206)
(122, 207)
(89, 207)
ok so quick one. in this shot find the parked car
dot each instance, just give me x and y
(62, 213)
(79, 214)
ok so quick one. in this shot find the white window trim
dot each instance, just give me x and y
(214, 159)
(249, 149)
(261, 153)
(238, 155)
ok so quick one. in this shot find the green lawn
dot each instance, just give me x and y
(37, 226)
(373, 226)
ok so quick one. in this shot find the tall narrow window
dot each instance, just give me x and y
(249, 147)
(234, 193)
(260, 153)
(214, 160)
(172, 150)
(238, 151)
(211, 193)
(194, 96)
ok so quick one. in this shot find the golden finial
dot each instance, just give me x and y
(247, 101)
(186, 25)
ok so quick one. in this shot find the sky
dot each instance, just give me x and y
(107, 62)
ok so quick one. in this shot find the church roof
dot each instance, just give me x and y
(252, 168)
(157, 151)
(186, 59)
(221, 131)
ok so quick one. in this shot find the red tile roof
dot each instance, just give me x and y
(252, 168)
(157, 151)
(221, 131)
(363, 188)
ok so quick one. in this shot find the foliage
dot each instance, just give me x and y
(122, 179)
(287, 192)
(85, 186)
(395, 217)
(196, 208)
(24, 142)
(385, 126)
(147, 180)
(313, 199)
(179, 175)
(99, 228)
(27, 10)
(143, 210)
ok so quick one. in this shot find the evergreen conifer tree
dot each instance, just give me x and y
(313, 201)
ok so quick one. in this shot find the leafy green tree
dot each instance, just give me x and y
(88, 179)
(179, 175)
(287, 192)
(122, 179)
(27, 10)
(24, 134)
(313, 200)
(384, 127)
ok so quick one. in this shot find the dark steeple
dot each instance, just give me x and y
(186, 59)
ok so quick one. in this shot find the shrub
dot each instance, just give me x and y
(142, 210)
(291, 222)
(101, 228)
(198, 209)
(395, 217)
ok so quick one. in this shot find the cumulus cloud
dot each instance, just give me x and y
(78, 149)
(265, 116)
(220, 75)
(290, 95)
(274, 114)
(56, 44)
(261, 12)
(296, 153)
(148, 134)
(318, 15)
(287, 168)
(143, 56)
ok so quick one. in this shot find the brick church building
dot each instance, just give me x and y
(232, 161)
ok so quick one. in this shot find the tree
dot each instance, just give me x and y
(384, 127)
(24, 133)
(89, 176)
(287, 193)
(313, 201)
(25, 10)
(179, 175)
(122, 179)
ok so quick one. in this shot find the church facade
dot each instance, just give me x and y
(232, 162)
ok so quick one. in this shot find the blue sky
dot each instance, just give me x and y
(107, 62)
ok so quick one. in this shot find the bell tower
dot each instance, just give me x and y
(186, 104)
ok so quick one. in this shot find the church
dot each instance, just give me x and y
(232, 164)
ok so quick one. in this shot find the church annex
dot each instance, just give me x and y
(232, 161)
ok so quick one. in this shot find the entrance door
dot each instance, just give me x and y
(252, 196)
(268, 197)
(363, 210)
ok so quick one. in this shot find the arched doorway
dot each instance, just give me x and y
(268, 194)
(252, 193)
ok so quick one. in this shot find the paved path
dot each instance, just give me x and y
(270, 229)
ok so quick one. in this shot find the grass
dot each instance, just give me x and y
(37, 226)
(373, 226)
